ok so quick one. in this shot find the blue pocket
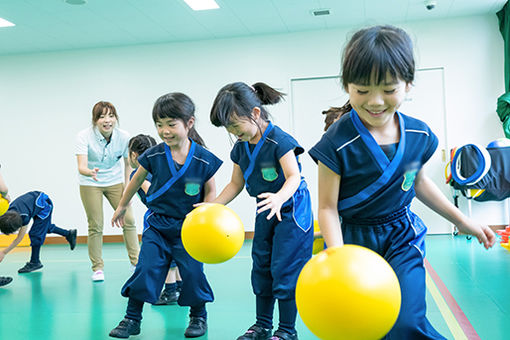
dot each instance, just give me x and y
(420, 230)
(302, 207)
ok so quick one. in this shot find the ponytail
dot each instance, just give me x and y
(193, 134)
(334, 114)
(239, 99)
(266, 94)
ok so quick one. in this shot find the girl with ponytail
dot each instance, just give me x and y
(266, 162)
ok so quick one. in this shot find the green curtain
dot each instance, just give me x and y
(503, 109)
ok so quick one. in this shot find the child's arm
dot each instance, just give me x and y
(233, 188)
(22, 231)
(83, 168)
(329, 221)
(131, 189)
(432, 197)
(127, 170)
(210, 190)
(274, 201)
(145, 186)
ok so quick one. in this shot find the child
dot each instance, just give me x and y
(265, 160)
(182, 175)
(370, 168)
(4, 192)
(137, 146)
(334, 113)
(34, 205)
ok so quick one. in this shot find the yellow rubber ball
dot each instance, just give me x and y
(212, 233)
(4, 205)
(348, 292)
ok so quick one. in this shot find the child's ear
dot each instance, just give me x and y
(255, 113)
(191, 122)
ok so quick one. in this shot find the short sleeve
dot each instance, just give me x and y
(81, 145)
(235, 153)
(325, 152)
(286, 144)
(214, 165)
(144, 161)
(431, 147)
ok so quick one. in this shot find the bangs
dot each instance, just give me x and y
(378, 56)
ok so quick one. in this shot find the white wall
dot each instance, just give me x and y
(45, 99)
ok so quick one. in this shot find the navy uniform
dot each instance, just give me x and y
(280, 248)
(38, 206)
(171, 196)
(377, 187)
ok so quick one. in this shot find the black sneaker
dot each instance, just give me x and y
(5, 280)
(167, 298)
(126, 328)
(256, 333)
(283, 335)
(197, 327)
(71, 238)
(30, 267)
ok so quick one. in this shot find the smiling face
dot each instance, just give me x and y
(173, 131)
(105, 122)
(246, 129)
(376, 104)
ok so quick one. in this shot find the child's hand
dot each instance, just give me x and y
(118, 216)
(93, 174)
(273, 202)
(483, 233)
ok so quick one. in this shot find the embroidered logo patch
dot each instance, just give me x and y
(192, 189)
(409, 177)
(269, 174)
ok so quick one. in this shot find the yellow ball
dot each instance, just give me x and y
(4, 205)
(212, 233)
(348, 292)
(318, 243)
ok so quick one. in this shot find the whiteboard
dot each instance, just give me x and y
(426, 101)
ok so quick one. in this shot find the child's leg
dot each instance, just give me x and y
(92, 199)
(178, 278)
(395, 242)
(292, 248)
(170, 294)
(113, 195)
(147, 281)
(195, 289)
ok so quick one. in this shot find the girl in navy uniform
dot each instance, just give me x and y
(370, 169)
(137, 146)
(182, 175)
(34, 205)
(266, 162)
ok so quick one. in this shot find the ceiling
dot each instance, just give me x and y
(52, 25)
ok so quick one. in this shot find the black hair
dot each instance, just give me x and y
(239, 99)
(334, 113)
(10, 222)
(177, 105)
(374, 52)
(140, 143)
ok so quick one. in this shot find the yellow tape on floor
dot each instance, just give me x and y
(453, 325)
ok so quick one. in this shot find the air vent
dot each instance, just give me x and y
(76, 2)
(320, 12)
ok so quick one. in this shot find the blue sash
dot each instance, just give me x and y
(253, 156)
(175, 174)
(384, 163)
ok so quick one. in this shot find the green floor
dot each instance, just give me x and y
(61, 302)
